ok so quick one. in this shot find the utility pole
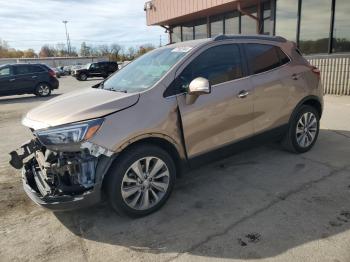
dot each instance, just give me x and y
(67, 36)
(160, 40)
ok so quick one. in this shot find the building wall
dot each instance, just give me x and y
(163, 11)
(317, 26)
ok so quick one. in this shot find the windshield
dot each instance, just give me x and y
(87, 66)
(145, 71)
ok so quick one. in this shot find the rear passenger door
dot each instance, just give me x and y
(271, 95)
(95, 69)
(224, 116)
(25, 78)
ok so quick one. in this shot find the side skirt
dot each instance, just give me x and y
(257, 140)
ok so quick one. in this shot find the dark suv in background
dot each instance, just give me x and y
(99, 69)
(17, 79)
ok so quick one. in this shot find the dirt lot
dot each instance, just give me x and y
(262, 204)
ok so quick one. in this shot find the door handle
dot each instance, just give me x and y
(34, 77)
(12, 79)
(295, 76)
(243, 94)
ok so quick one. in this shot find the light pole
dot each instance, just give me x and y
(67, 37)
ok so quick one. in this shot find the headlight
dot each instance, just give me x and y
(72, 133)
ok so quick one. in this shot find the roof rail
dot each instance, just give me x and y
(250, 37)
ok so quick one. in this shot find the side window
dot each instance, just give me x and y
(22, 70)
(5, 71)
(94, 66)
(36, 69)
(284, 59)
(217, 64)
(261, 57)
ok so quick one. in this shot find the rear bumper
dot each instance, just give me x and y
(54, 83)
(58, 203)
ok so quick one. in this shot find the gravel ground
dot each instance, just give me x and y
(263, 204)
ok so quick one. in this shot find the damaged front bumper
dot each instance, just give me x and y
(61, 180)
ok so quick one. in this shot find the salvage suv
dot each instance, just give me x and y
(129, 137)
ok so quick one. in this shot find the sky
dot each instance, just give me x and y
(31, 23)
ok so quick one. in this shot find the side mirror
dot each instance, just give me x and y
(198, 86)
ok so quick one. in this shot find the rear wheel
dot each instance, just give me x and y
(303, 130)
(141, 180)
(42, 90)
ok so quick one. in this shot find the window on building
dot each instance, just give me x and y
(286, 19)
(187, 32)
(232, 23)
(216, 25)
(267, 28)
(217, 64)
(200, 29)
(248, 24)
(261, 58)
(314, 27)
(176, 34)
(341, 32)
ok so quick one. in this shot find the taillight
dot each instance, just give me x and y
(316, 71)
(52, 73)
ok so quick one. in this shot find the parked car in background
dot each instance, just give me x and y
(76, 67)
(176, 106)
(38, 79)
(67, 69)
(99, 69)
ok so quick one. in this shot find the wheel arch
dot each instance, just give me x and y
(43, 82)
(313, 101)
(162, 141)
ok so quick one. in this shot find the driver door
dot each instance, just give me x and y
(225, 115)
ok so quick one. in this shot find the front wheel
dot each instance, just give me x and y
(83, 77)
(42, 90)
(141, 180)
(303, 130)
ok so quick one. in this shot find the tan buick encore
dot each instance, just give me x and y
(130, 136)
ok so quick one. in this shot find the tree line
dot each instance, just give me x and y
(114, 51)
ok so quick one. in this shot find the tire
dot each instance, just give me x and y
(299, 139)
(128, 194)
(83, 77)
(43, 90)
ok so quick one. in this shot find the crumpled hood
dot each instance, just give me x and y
(78, 105)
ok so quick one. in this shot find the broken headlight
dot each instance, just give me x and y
(71, 133)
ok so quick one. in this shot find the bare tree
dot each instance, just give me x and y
(115, 50)
(104, 50)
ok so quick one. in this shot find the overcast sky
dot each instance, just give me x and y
(32, 23)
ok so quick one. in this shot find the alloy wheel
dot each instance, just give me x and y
(43, 90)
(306, 129)
(145, 183)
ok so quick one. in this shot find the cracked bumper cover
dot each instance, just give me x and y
(36, 183)
(61, 203)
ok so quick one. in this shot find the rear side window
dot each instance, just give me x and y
(36, 69)
(5, 71)
(22, 70)
(284, 59)
(262, 57)
(217, 64)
